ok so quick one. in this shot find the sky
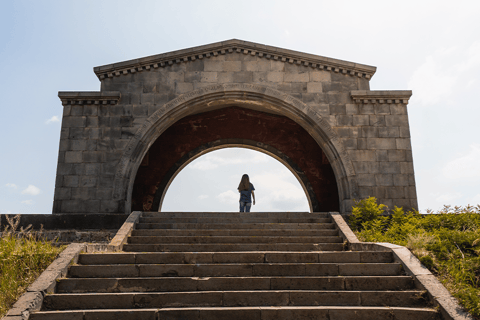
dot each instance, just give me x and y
(430, 47)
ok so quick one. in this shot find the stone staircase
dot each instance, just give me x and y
(236, 266)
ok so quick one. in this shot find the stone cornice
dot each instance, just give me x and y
(229, 46)
(89, 97)
(391, 96)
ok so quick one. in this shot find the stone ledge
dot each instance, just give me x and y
(125, 231)
(230, 46)
(67, 221)
(388, 97)
(345, 232)
(449, 307)
(89, 97)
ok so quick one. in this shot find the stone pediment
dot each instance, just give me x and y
(225, 47)
(379, 96)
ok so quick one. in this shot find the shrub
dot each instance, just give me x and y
(446, 242)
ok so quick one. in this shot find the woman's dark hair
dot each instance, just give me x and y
(244, 183)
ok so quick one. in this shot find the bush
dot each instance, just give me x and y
(23, 257)
(446, 242)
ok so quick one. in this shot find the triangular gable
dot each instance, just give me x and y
(230, 46)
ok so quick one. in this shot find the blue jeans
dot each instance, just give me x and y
(245, 206)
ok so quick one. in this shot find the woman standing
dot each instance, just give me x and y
(246, 192)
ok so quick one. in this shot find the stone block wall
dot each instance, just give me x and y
(372, 126)
(380, 148)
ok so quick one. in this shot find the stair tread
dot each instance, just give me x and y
(229, 232)
(242, 256)
(234, 269)
(241, 219)
(239, 277)
(106, 294)
(233, 239)
(202, 226)
(174, 284)
(240, 264)
(250, 307)
(250, 312)
(233, 298)
(232, 247)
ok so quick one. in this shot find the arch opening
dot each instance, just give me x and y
(209, 182)
(233, 126)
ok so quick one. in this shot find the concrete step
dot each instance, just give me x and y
(234, 220)
(176, 284)
(283, 215)
(75, 301)
(237, 257)
(251, 313)
(247, 226)
(232, 247)
(235, 269)
(236, 232)
(231, 239)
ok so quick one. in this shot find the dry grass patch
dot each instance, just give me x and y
(23, 257)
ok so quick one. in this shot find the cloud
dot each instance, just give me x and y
(52, 120)
(12, 185)
(280, 190)
(203, 165)
(228, 197)
(449, 197)
(31, 190)
(278, 186)
(203, 196)
(445, 72)
(27, 202)
(465, 167)
(212, 161)
(473, 58)
(431, 82)
(476, 200)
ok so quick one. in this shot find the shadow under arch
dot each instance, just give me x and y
(232, 143)
(251, 96)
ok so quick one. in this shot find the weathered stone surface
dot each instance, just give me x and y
(324, 97)
(27, 303)
(58, 315)
(120, 314)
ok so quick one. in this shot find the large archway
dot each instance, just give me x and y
(248, 96)
(275, 135)
(105, 135)
(209, 183)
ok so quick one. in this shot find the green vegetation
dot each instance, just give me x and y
(23, 257)
(446, 242)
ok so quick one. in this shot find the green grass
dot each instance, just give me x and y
(23, 257)
(446, 242)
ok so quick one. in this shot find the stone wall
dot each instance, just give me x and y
(65, 228)
(70, 221)
(364, 134)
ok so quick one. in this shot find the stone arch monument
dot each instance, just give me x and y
(121, 147)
